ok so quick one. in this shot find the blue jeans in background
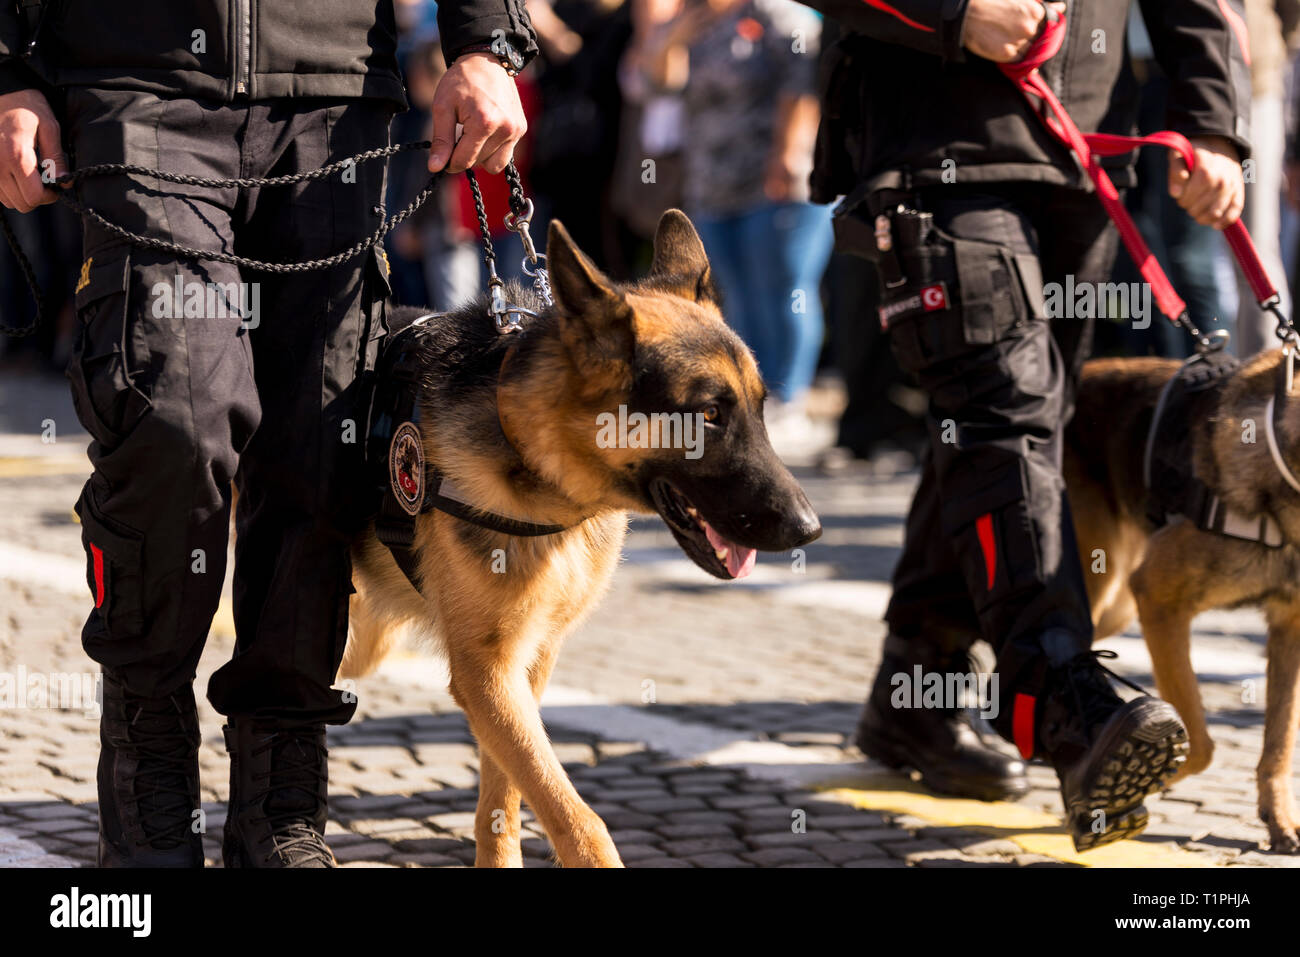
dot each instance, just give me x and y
(769, 262)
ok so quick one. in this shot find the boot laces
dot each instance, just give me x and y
(289, 794)
(160, 783)
(1094, 698)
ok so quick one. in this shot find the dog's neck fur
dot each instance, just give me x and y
(513, 474)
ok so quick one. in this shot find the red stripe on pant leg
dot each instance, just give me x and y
(1022, 725)
(97, 554)
(984, 529)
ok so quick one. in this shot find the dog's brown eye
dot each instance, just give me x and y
(710, 413)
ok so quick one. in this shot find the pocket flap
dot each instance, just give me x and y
(121, 547)
(103, 274)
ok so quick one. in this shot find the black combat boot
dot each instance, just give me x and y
(148, 779)
(941, 743)
(1108, 753)
(279, 784)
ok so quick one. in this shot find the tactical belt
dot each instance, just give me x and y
(408, 485)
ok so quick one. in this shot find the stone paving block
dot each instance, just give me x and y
(736, 802)
(364, 851)
(913, 851)
(879, 835)
(986, 847)
(849, 820)
(875, 862)
(677, 831)
(659, 862)
(44, 812)
(706, 817)
(52, 825)
(776, 856)
(430, 844)
(424, 860)
(690, 847)
(634, 835)
(639, 852)
(718, 860)
(842, 851)
(667, 805)
(791, 838)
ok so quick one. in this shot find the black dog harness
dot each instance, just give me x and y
(409, 486)
(1168, 470)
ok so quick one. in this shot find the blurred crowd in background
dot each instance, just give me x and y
(711, 105)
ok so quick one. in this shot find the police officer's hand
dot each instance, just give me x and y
(1001, 30)
(1215, 191)
(29, 134)
(481, 96)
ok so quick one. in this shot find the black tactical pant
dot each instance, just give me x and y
(990, 546)
(194, 377)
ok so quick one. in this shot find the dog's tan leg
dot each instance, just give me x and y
(502, 708)
(496, 822)
(1281, 717)
(1170, 588)
(370, 638)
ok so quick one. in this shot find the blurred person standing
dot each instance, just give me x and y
(575, 137)
(1188, 250)
(747, 72)
(1271, 26)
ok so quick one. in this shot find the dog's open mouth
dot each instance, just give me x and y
(704, 544)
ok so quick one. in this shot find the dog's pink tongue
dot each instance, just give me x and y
(740, 560)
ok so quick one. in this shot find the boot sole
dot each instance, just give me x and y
(1137, 753)
(883, 751)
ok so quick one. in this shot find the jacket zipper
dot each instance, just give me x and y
(243, 41)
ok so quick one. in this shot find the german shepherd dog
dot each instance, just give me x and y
(1166, 576)
(512, 420)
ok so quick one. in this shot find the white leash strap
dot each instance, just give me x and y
(1273, 449)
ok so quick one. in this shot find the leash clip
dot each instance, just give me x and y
(534, 263)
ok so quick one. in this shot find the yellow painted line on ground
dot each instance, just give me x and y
(26, 466)
(1034, 831)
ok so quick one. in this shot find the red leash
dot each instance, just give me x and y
(1089, 146)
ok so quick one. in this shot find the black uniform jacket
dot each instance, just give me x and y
(231, 49)
(901, 96)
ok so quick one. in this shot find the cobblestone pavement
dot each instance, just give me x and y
(707, 723)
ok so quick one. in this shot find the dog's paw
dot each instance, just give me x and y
(1283, 840)
(1282, 835)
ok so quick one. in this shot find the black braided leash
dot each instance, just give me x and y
(518, 203)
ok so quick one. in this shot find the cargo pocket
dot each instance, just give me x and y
(106, 361)
(993, 299)
(991, 529)
(960, 296)
(113, 572)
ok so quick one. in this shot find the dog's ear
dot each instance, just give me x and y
(680, 262)
(595, 317)
(578, 285)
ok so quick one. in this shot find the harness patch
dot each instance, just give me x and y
(931, 298)
(406, 468)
